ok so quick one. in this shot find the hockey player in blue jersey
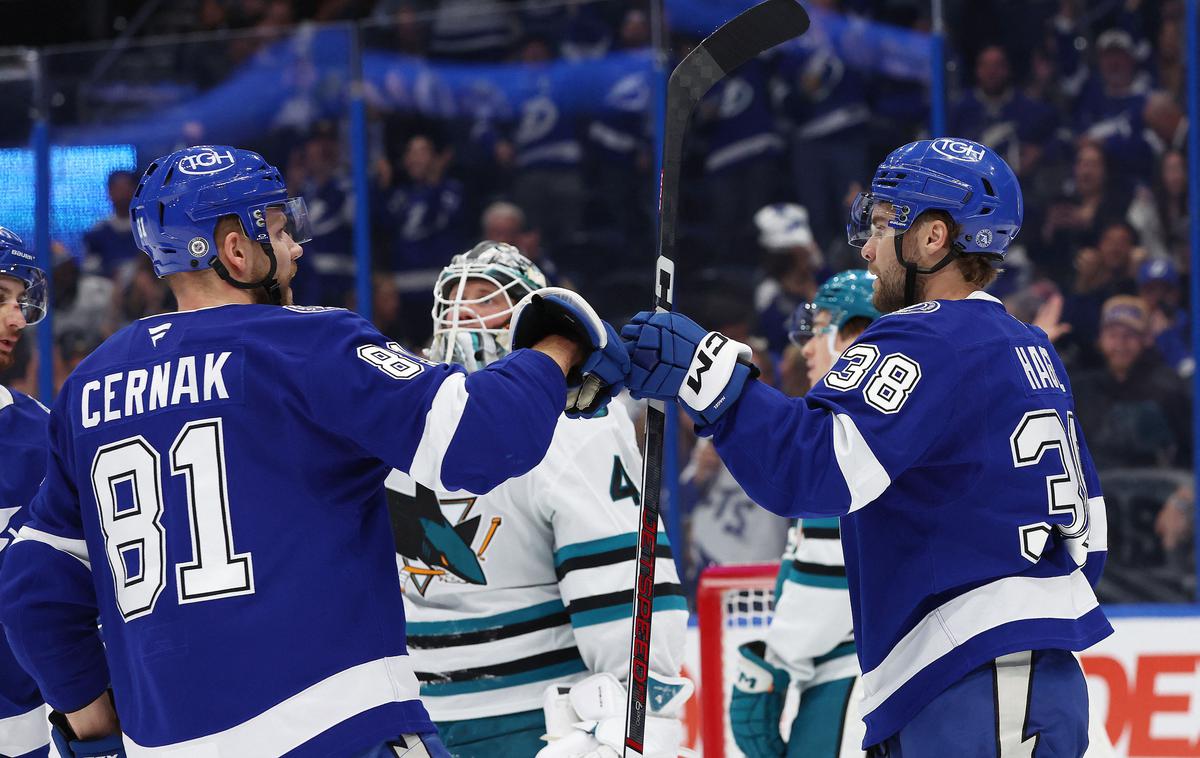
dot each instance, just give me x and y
(24, 732)
(215, 491)
(945, 438)
(518, 601)
(810, 643)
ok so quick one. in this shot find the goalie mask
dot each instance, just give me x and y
(473, 301)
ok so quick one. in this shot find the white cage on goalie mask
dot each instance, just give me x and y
(462, 332)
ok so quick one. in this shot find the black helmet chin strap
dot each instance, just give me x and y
(912, 269)
(268, 282)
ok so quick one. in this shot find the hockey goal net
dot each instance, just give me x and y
(733, 605)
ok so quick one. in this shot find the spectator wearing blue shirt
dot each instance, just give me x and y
(1109, 107)
(419, 218)
(618, 149)
(741, 164)
(318, 172)
(545, 151)
(1102, 271)
(826, 107)
(109, 244)
(998, 115)
(1159, 286)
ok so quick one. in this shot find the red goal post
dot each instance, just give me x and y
(733, 606)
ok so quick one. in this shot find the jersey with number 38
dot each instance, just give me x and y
(972, 519)
(215, 494)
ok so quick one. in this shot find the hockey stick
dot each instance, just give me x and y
(754, 31)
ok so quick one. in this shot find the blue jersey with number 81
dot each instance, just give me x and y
(972, 519)
(215, 494)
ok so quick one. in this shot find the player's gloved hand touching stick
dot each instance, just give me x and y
(600, 373)
(674, 358)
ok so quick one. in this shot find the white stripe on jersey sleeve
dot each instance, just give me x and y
(75, 548)
(1097, 525)
(1013, 598)
(25, 733)
(303, 716)
(865, 476)
(6, 399)
(441, 423)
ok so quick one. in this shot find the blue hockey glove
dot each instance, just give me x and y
(70, 746)
(601, 374)
(674, 358)
(757, 703)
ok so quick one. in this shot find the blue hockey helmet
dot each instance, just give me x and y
(967, 180)
(843, 296)
(17, 262)
(181, 197)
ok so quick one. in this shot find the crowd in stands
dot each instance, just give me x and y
(1085, 101)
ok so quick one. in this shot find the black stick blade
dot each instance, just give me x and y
(753, 32)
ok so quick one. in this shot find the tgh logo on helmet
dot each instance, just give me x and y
(207, 161)
(958, 150)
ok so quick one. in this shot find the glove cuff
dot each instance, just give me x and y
(755, 675)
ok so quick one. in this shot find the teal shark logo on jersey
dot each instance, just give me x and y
(429, 544)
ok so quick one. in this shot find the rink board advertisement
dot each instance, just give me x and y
(1145, 678)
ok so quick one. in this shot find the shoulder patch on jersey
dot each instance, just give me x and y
(6, 397)
(928, 307)
(311, 308)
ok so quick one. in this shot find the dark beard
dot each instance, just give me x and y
(889, 298)
(7, 361)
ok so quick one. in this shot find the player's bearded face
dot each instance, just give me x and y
(12, 321)
(880, 252)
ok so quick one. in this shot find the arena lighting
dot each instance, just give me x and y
(79, 189)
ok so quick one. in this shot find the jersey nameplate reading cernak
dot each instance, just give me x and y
(185, 380)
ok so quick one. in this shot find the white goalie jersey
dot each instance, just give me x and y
(531, 584)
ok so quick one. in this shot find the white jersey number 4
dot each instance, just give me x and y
(127, 483)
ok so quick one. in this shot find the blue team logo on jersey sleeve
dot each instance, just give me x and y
(927, 307)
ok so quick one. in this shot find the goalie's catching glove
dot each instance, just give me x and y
(601, 374)
(757, 703)
(587, 719)
(674, 358)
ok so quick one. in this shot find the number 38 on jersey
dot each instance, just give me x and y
(890, 384)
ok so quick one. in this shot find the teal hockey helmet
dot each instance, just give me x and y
(847, 295)
(843, 296)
